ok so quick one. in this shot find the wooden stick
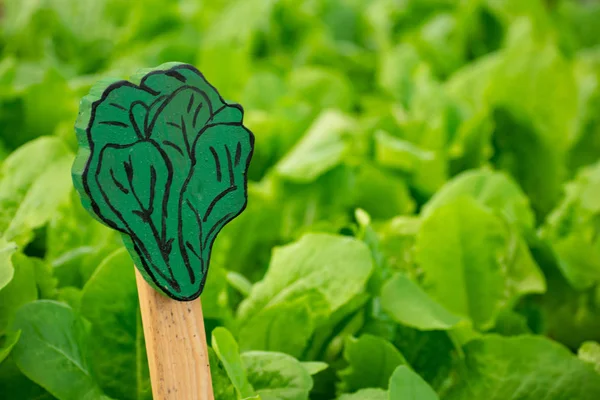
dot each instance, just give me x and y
(176, 346)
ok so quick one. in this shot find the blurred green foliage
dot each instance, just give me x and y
(424, 205)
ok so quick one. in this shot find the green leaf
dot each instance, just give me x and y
(437, 41)
(366, 394)
(216, 297)
(590, 353)
(263, 90)
(44, 278)
(239, 282)
(286, 325)
(38, 98)
(51, 350)
(322, 88)
(528, 65)
(408, 304)
(584, 150)
(495, 190)
(314, 367)
(71, 296)
(321, 206)
(571, 229)
(34, 182)
(22, 289)
(522, 83)
(397, 239)
(382, 194)
(161, 158)
(15, 385)
(7, 342)
(372, 360)
(222, 386)
(324, 146)
(277, 376)
(459, 247)
(116, 346)
(510, 323)
(345, 321)
(243, 253)
(227, 350)
(7, 270)
(396, 72)
(579, 260)
(523, 274)
(76, 243)
(394, 152)
(533, 161)
(406, 384)
(420, 156)
(306, 282)
(403, 109)
(524, 367)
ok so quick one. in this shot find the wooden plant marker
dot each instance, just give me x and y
(163, 159)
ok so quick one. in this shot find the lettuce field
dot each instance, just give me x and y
(423, 216)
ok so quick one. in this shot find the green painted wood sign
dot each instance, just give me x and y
(163, 159)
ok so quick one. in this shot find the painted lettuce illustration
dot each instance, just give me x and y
(164, 162)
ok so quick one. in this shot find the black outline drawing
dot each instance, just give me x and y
(143, 134)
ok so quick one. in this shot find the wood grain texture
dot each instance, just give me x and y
(176, 346)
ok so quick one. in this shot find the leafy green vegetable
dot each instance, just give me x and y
(314, 367)
(422, 211)
(323, 147)
(345, 321)
(34, 181)
(431, 354)
(398, 153)
(366, 394)
(222, 386)
(76, 243)
(44, 276)
(590, 353)
(258, 374)
(505, 368)
(458, 247)
(227, 350)
(372, 360)
(403, 384)
(7, 343)
(510, 323)
(21, 290)
(572, 230)
(492, 189)
(408, 304)
(109, 297)
(382, 194)
(406, 384)
(7, 270)
(50, 351)
(276, 376)
(15, 384)
(301, 290)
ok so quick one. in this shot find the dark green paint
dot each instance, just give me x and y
(163, 160)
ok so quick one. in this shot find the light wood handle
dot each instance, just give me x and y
(176, 346)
